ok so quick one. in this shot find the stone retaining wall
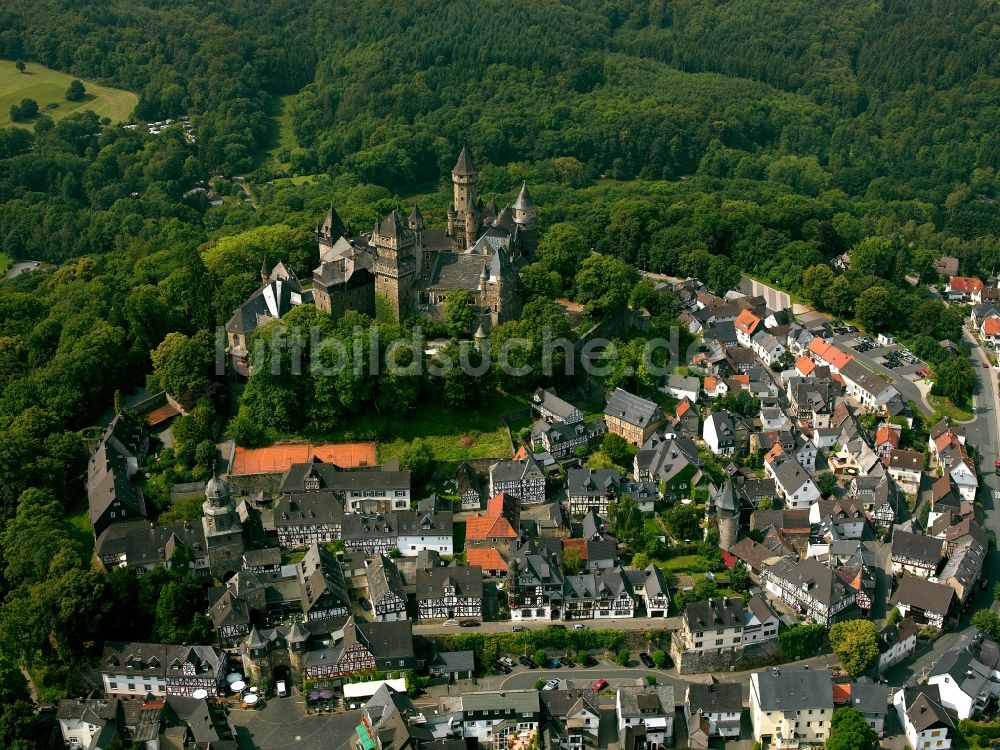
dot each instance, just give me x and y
(754, 655)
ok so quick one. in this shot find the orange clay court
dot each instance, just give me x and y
(276, 458)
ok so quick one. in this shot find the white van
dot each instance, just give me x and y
(281, 688)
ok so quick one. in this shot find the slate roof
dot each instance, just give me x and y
(321, 581)
(714, 613)
(157, 659)
(332, 477)
(467, 580)
(715, 697)
(464, 166)
(273, 298)
(811, 575)
(794, 688)
(384, 578)
(924, 709)
(632, 409)
(925, 549)
(458, 271)
(309, 508)
(918, 592)
(549, 400)
(640, 702)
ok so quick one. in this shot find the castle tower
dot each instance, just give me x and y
(526, 218)
(297, 638)
(464, 216)
(395, 248)
(331, 230)
(504, 299)
(255, 657)
(727, 509)
(265, 272)
(223, 530)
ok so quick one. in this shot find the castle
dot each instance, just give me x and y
(414, 268)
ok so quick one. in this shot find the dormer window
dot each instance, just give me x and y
(312, 484)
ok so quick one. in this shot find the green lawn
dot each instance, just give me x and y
(47, 86)
(679, 564)
(477, 432)
(282, 134)
(81, 531)
(943, 407)
(4, 263)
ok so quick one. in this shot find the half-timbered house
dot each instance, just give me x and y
(453, 592)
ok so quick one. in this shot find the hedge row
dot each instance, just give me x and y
(489, 646)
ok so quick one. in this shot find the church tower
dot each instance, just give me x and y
(464, 215)
(526, 218)
(223, 530)
(395, 247)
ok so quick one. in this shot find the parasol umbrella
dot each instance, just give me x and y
(250, 699)
(325, 695)
(199, 694)
(237, 686)
(314, 695)
(234, 677)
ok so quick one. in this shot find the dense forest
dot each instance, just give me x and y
(678, 136)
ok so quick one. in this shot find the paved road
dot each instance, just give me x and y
(625, 623)
(982, 433)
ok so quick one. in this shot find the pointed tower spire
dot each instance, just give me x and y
(464, 166)
(265, 270)
(524, 201)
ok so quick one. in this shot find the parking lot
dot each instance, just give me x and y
(891, 357)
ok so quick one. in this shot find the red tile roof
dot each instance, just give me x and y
(887, 433)
(746, 322)
(965, 284)
(805, 365)
(487, 558)
(991, 327)
(500, 521)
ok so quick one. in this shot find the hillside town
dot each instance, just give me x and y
(788, 482)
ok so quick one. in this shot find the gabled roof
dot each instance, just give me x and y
(793, 688)
(965, 284)
(632, 409)
(746, 322)
(487, 558)
(919, 592)
(500, 521)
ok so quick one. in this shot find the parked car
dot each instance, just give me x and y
(996, 466)
(986, 365)
(365, 604)
(579, 626)
(599, 685)
(647, 660)
(507, 661)
(501, 667)
(551, 685)
(566, 662)
(281, 689)
(528, 662)
(554, 663)
(557, 626)
(518, 629)
(469, 623)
